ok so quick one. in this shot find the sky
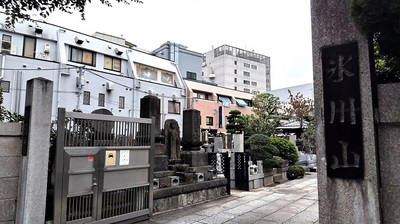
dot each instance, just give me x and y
(280, 29)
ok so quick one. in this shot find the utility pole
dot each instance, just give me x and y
(80, 82)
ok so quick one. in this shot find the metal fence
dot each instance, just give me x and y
(103, 168)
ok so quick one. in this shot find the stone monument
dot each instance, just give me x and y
(348, 187)
(172, 139)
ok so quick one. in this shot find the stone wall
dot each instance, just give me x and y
(10, 160)
(185, 195)
(389, 153)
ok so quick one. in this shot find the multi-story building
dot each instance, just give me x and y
(237, 69)
(89, 73)
(215, 103)
(189, 62)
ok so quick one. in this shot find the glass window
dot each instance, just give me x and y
(235, 71)
(235, 62)
(191, 75)
(102, 99)
(246, 65)
(174, 107)
(167, 77)
(147, 72)
(5, 86)
(246, 74)
(82, 56)
(86, 98)
(29, 47)
(254, 83)
(246, 90)
(254, 67)
(112, 63)
(209, 121)
(247, 82)
(121, 102)
(235, 80)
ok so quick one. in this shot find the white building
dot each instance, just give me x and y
(89, 73)
(237, 69)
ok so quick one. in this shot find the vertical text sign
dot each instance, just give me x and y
(342, 106)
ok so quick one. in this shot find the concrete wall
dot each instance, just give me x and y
(389, 153)
(10, 160)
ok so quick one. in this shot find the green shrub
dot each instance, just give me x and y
(275, 161)
(261, 148)
(287, 150)
(295, 171)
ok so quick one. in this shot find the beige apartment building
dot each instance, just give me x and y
(215, 102)
(237, 69)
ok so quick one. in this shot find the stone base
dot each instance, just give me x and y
(160, 163)
(195, 159)
(185, 178)
(159, 149)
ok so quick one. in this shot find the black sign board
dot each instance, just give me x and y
(25, 131)
(342, 106)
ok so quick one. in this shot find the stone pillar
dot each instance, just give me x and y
(150, 107)
(35, 152)
(191, 130)
(348, 188)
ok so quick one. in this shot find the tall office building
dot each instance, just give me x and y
(237, 69)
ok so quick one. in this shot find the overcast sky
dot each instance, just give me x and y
(280, 29)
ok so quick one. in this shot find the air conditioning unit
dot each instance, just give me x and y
(8, 47)
(211, 76)
(46, 48)
(110, 86)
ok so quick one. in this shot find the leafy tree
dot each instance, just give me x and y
(261, 148)
(308, 136)
(265, 118)
(19, 9)
(380, 21)
(287, 150)
(299, 106)
(235, 122)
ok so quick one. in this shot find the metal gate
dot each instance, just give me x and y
(103, 168)
(241, 171)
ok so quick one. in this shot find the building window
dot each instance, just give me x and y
(235, 80)
(246, 90)
(246, 74)
(254, 67)
(247, 82)
(5, 86)
(147, 72)
(235, 71)
(29, 47)
(86, 98)
(235, 62)
(111, 63)
(191, 75)
(102, 99)
(174, 107)
(121, 102)
(167, 77)
(210, 121)
(246, 65)
(235, 88)
(254, 83)
(82, 56)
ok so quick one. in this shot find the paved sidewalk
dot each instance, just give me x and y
(292, 202)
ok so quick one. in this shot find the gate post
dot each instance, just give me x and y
(35, 152)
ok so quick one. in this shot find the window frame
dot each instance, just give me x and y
(102, 100)
(86, 98)
(191, 75)
(208, 119)
(121, 102)
(174, 107)
(113, 60)
(24, 49)
(8, 83)
(83, 52)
